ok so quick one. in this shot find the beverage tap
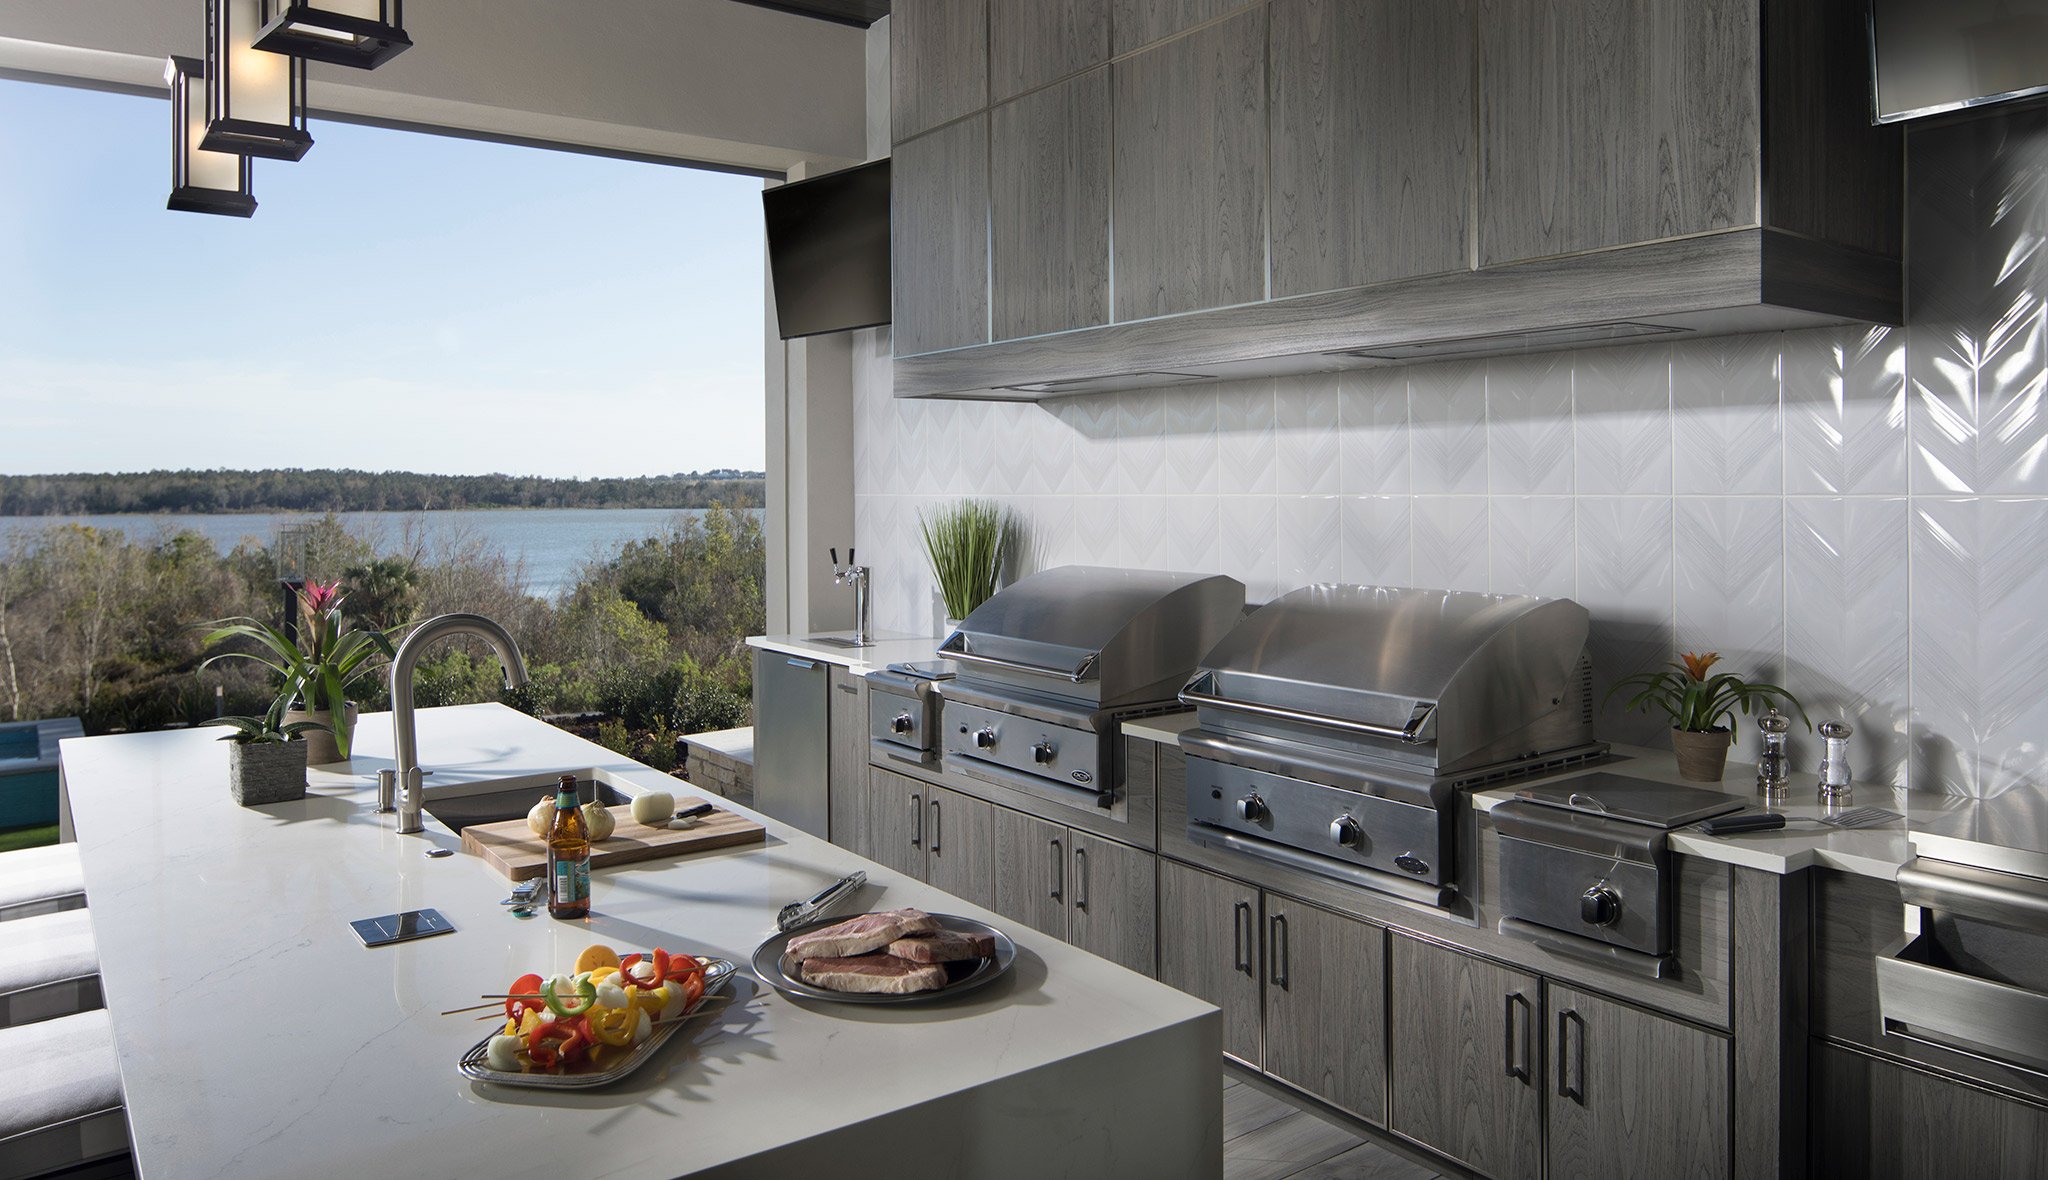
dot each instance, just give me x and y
(1773, 769)
(856, 576)
(1834, 762)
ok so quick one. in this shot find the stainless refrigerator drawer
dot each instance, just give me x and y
(792, 740)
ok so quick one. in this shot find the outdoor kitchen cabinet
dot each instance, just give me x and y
(846, 767)
(935, 835)
(1465, 1053)
(1878, 1118)
(1094, 893)
(1209, 947)
(939, 248)
(1633, 1094)
(938, 51)
(1049, 209)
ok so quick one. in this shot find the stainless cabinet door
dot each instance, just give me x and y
(1633, 1094)
(1114, 910)
(792, 721)
(1465, 1059)
(1326, 1005)
(1209, 935)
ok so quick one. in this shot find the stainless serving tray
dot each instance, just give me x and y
(717, 974)
(961, 977)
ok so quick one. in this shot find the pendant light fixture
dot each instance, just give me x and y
(360, 33)
(201, 181)
(255, 101)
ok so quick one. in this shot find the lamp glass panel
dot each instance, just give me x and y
(204, 169)
(259, 83)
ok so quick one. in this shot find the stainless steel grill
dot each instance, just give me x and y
(1337, 723)
(1050, 666)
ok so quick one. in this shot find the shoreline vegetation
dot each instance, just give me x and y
(327, 490)
(647, 645)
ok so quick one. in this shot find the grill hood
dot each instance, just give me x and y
(1443, 680)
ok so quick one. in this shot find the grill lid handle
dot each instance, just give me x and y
(1411, 732)
(955, 647)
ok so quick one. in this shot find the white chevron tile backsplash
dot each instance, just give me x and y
(1860, 510)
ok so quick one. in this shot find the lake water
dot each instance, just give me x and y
(554, 542)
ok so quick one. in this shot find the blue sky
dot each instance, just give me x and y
(399, 301)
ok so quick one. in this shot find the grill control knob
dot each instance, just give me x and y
(1346, 832)
(1251, 809)
(1600, 906)
(1043, 751)
(985, 737)
(901, 723)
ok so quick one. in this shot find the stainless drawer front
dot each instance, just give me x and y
(1398, 838)
(900, 721)
(1547, 885)
(1071, 757)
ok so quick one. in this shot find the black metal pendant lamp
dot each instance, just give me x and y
(255, 101)
(201, 181)
(360, 33)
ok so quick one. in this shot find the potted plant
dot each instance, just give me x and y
(317, 670)
(966, 543)
(267, 762)
(1700, 706)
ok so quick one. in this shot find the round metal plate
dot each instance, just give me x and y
(961, 977)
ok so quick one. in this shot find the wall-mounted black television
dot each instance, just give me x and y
(828, 250)
(1931, 56)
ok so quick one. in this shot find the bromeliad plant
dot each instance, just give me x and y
(966, 544)
(318, 670)
(270, 728)
(1697, 702)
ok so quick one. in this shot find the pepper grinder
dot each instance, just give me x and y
(1773, 769)
(1834, 762)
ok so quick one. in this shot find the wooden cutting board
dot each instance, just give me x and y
(513, 849)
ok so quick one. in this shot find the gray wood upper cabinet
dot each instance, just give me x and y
(1372, 141)
(960, 839)
(1209, 948)
(1190, 192)
(939, 206)
(1876, 1119)
(1326, 1028)
(1115, 905)
(1610, 122)
(1031, 871)
(1634, 1094)
(1141, 22)
(1033, 42)
(1465, 1054)
(1049, 210)
(896, 819)
(847, 765)
(938, 63)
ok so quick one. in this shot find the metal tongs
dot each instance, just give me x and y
(797, 913)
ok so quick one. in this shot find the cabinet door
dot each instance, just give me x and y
(1634, 1094)
(792, 742)
(847, 776)
(1326, 1005)
(1115, 908)
(1141, 22)
(1372, 141)
(939, 240)
(1049, 209)
(896, 819)
(1209, 948)
(1032, 42)
(1608, 122)
(1191, 171)
(1465, 1058)
(1877, 1119)
(1031, 871)
(938, 62)
(960, 838)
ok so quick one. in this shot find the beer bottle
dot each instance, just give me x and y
(568, 857)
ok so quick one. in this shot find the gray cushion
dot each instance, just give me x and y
(55, 1072)
(33, 878)
(47, 948)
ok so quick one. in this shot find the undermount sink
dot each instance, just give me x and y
(489, 801)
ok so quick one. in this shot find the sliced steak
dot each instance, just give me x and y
(886, 974)
(944, 946)
(858, 936)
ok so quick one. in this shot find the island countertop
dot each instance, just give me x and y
(257, 1037)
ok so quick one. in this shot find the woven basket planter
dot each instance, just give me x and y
(266, 772)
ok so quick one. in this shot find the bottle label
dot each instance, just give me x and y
(572, 882)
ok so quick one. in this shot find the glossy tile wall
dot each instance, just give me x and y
(1860, 513)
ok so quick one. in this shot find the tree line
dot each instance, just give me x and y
(290, 489)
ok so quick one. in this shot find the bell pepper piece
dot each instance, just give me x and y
(524, 986)
(613, 1026)
(559, 1043)
(575, 1005)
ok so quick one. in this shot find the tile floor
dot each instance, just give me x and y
(1269, 1134)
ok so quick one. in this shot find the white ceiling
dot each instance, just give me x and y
(713, 81)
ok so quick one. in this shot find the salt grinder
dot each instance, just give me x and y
(1834, 762)
(1773, 769)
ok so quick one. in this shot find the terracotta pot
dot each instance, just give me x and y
(266, 772)
(322, 746)
(1702, 755)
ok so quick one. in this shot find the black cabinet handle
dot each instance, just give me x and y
(935, 827)
(1059, 870)
(1565, 1087)
(1241, 937)
(916, 820)
(1278, 975)
(1517, 1064)
(1081, 873)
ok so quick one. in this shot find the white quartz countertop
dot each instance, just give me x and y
(257, 1037)
(888, 648)
(1871, 852)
